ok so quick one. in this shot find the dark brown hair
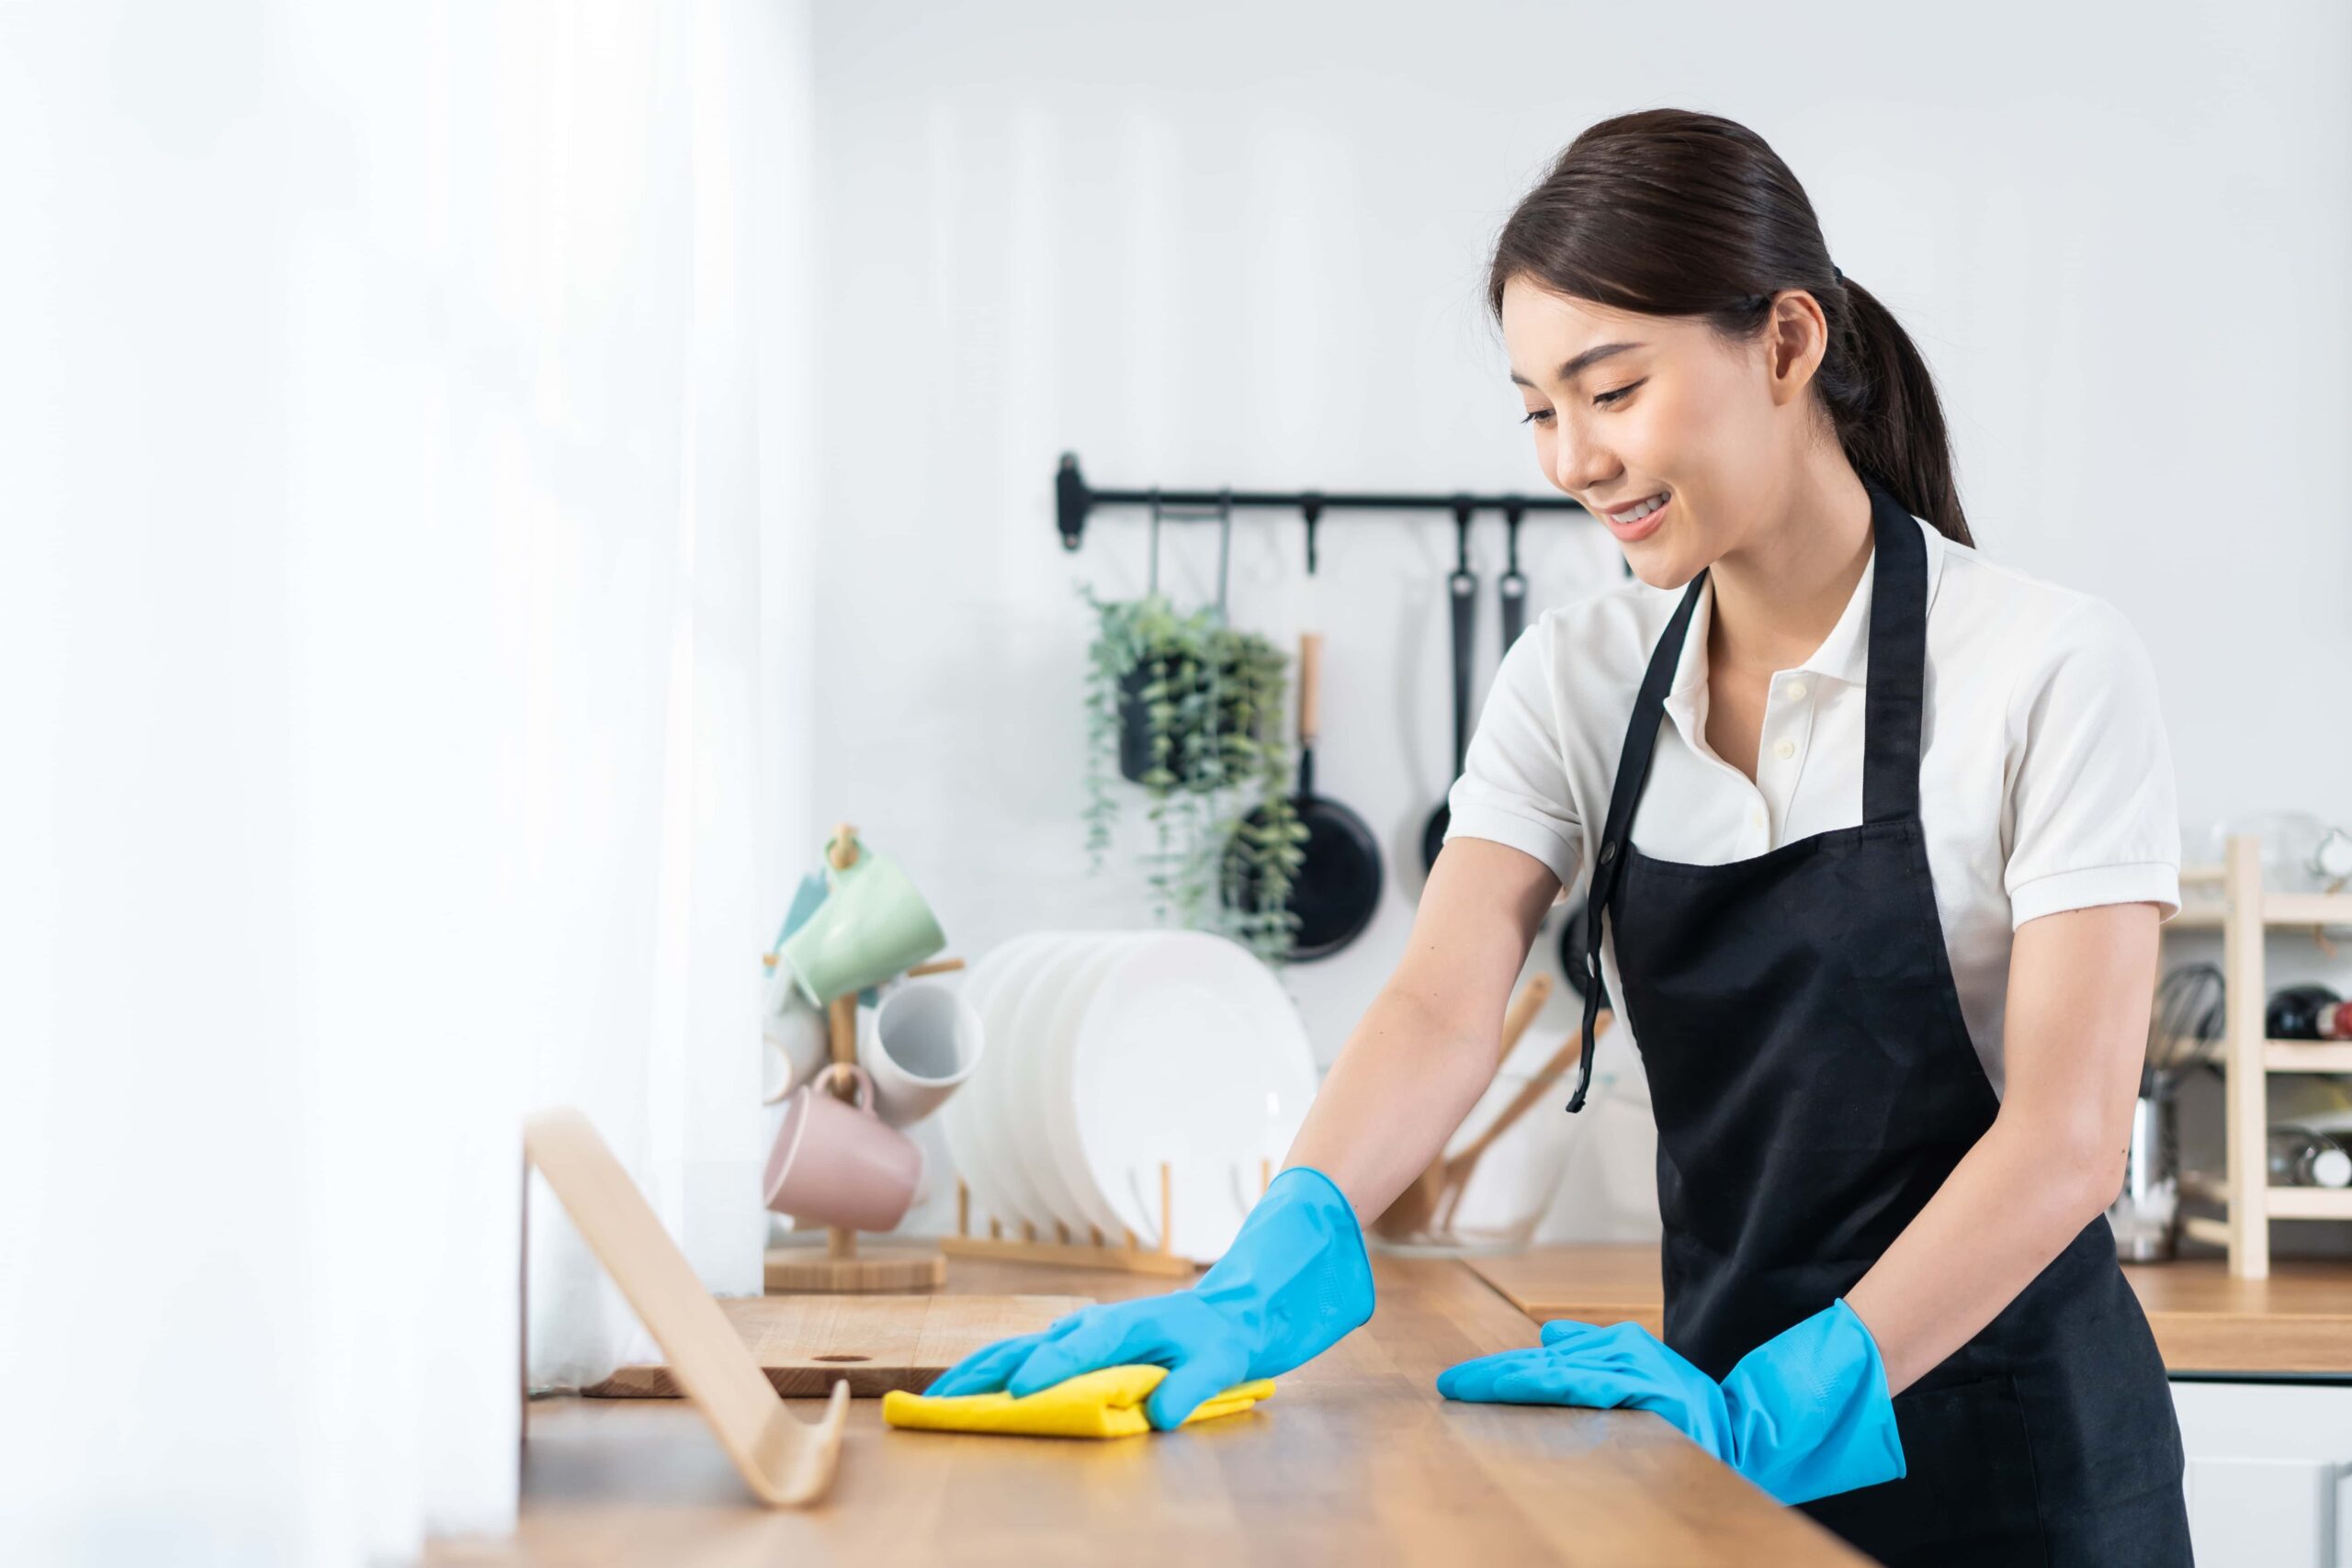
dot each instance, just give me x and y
(1670, 213)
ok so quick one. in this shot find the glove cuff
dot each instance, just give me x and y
(1297, 1278)
(1810, 1411)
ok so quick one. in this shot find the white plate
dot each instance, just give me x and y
(1022, 1108)
(1189, 1052)
(1049, 1083)
(1020, 1201)
(967, 1148)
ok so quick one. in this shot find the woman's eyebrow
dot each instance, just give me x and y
(1577, 367)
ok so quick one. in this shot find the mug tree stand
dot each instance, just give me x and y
(844, 1267)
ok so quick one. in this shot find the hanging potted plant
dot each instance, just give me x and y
(1191, 709)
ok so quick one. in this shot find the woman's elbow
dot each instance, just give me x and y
(2077, 1165)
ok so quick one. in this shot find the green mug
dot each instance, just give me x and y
(872, 926)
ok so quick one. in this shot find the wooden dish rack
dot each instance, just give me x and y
(2245, 914)
(1064, 1248)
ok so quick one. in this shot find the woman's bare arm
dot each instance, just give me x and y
(1430, 1041)
(2081, 982)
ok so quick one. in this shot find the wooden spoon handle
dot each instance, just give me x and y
(1523, 1009)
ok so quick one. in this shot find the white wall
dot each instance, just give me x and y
(1243, 245)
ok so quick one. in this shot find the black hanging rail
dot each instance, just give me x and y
(1073, 499)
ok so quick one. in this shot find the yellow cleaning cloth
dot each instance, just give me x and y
(1107, 1402)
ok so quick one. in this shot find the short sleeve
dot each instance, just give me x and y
(2089, 814)
(1514, 784)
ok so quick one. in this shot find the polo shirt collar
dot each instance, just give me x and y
(1844, 654)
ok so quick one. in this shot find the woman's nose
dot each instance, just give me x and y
(1577, 468)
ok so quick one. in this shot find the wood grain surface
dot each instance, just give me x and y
(2298, 1320)
(1355, 1460)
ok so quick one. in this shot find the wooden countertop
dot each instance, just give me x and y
(1356, 1459)
(2299, 1320)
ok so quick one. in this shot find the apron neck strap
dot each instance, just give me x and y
(1895, 695)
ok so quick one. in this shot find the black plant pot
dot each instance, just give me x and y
(1134, 719)
(1134, 725)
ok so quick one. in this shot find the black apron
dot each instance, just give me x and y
(1814, 1083)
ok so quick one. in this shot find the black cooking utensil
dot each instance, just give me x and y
(1336, 890)
(1462, 587)
(1513, 587)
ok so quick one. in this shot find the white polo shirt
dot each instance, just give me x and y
(2045, 780)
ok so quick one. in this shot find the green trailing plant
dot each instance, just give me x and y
(1190, 709)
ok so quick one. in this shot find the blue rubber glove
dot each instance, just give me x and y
(1294, 1282)
(1804, 1415)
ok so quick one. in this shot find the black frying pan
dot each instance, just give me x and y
(1462, 586)
(1336, 890)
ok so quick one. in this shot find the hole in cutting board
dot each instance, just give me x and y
(840, 1358)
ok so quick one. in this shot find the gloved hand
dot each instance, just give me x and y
(1293, 1282)
(1804, 1415)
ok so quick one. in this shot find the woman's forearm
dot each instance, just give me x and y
(2011, 1205)
(1404, 1081)
(2081, 982)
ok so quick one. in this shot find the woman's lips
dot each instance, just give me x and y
(1629, 532)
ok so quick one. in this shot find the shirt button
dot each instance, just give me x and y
(1796, 690)
(1756, 817)
(1785, 750)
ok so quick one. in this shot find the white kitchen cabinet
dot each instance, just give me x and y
(2269, 1475)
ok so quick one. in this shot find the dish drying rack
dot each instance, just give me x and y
(1126, 1254)
(2244, 914)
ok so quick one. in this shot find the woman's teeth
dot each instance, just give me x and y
(1638, 513)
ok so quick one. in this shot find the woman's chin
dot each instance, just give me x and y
(1658, 566)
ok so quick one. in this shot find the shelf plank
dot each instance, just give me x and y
(2307, 909)
(2308, 1202)
(2307, 1056)
(2286, 909)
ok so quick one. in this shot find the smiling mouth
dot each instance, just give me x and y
(1640, 510)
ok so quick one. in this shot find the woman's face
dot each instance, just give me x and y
(1626, 407)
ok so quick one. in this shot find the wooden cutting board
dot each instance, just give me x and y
(879, 1343)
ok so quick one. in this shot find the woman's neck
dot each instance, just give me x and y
(1781, 588)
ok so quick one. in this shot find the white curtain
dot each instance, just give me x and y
(398, 514)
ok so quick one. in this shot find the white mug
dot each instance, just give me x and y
(797, 1038)
(919, 1046)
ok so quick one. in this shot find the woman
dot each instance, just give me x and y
(1884, 926)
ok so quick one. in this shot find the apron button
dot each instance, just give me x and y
(1607, 854)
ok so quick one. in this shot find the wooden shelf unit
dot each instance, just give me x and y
(2244, 915)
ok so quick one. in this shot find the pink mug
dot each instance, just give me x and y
(839, 1165)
